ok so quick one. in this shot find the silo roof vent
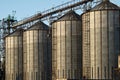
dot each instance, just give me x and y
(106, 5)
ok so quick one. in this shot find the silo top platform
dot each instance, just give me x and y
(106, 5)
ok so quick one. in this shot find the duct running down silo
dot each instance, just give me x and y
(119, 61)
(0, 61)
(14, 56)
(101, 41)
(66, 47)
(36, 52)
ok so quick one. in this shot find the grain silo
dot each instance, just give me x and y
(14, 56)
(36, 52)
(101, 40)
(66, 47)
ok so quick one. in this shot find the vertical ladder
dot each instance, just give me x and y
(87, 45)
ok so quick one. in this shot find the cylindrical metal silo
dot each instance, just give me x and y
(14, 56)
(66, 47)
(36, 52)
(101, 40)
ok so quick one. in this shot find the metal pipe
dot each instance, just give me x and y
(39, 16)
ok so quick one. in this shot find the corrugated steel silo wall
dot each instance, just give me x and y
(36, 55)
(66, 50)
(101, 43)
(49, 59)
(14, 56)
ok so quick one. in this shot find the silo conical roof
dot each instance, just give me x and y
(71, 15)
(105, 5)
(17, 32)
(38, 25)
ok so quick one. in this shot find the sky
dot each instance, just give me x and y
(26, 8)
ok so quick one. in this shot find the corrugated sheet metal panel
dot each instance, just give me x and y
(66, 48)
(101, 43)
(14, 56)
(37, 53)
